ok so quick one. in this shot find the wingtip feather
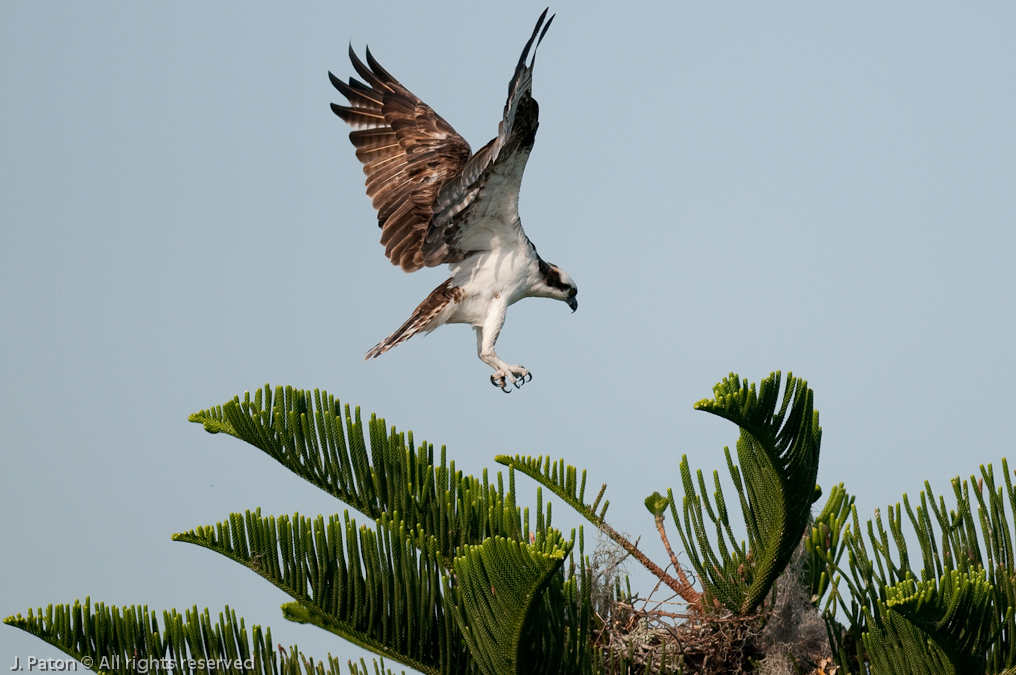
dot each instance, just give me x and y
(377, 68)
(363, 70)
(545, 28)
(536, 37)
(336, 82)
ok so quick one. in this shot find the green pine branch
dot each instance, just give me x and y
(895, 646)
(778, 452)
(129, 640)
(726, 571)
(313, 435)
(561, 479)
(510, 605)
(946, 625)
(451, 579)
(974, 536)
(380, 589)
(825, 545)
(954, 612)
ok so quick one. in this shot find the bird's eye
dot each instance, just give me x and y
(572, 292)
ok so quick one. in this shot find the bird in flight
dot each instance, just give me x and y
(439, 203)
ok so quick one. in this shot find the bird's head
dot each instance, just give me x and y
(555, 283)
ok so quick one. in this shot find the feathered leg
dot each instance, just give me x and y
(486, 336)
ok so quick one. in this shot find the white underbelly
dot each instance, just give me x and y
(473, 310)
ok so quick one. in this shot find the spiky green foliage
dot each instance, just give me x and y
(313, 435)
(974, 541)
(380, 588)
(723, 572)
(385, 593)
(451, 578)
(384, 587)
(946, 626)
(900, 648)
(561, 479)
(952, 611)
(510, 606)
(825, 544)
(778, 452)
(129, 640)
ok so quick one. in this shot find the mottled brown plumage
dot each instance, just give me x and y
(408, 152)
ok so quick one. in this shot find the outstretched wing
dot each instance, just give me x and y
(408, 152)
(430, 195)
(478, 208)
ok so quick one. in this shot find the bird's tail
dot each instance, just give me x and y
(428, 310)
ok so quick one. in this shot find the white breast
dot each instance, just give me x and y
(504, 275)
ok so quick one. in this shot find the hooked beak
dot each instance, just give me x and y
(573, 303)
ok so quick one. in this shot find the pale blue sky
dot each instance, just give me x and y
(826, 188)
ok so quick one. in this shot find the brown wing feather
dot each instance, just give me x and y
(433, 305)
(408, 152)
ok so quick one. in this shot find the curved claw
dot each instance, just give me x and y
(530, 376)
(500, 382)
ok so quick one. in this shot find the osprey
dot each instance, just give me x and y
(439, 203)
